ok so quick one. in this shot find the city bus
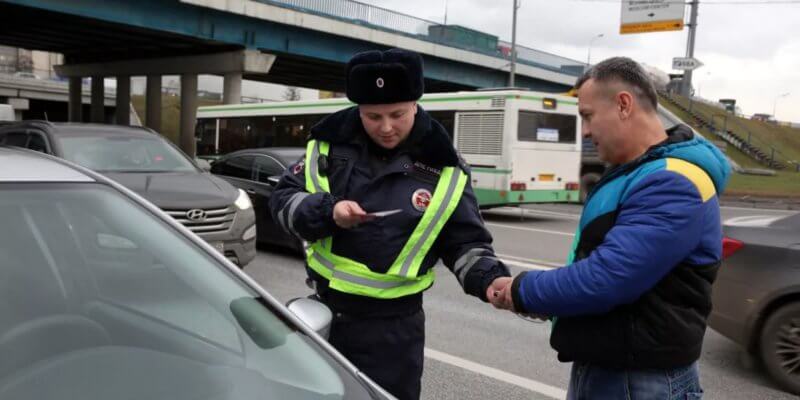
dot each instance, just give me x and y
(522, 147)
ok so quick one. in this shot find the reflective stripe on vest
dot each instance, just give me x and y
(401, 279)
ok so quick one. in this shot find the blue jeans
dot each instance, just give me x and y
(592, 382)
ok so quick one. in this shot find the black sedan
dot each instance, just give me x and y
(256, 171)
(757, 292)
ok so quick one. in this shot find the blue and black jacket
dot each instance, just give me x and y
(380, 179)
(638, 290)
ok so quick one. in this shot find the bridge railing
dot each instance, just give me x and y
(456, 36)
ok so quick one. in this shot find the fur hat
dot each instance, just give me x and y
(385, 77)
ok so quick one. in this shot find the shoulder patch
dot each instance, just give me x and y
(694, 174)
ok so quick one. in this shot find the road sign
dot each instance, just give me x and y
(686, 63)
(641, 16)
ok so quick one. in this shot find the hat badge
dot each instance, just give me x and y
(379, 82)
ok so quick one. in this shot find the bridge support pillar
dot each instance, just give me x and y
(123, 111)
(188, 113)
(97, 113)
(232, 88)
(75, 105)
(153, 103)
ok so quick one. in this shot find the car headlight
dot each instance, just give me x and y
(243, 201)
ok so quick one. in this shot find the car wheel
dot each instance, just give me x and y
(780, 346)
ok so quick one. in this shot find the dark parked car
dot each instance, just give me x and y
(104, 296)
(153, 167)
(757, 292)
(256, 171)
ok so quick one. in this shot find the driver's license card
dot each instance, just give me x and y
(387, 213)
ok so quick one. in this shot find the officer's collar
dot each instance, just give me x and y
(428, 141)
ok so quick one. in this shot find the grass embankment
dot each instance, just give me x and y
(786, 140)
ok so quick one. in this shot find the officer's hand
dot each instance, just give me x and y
(348, 214)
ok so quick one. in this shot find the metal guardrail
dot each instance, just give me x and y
(359, 13)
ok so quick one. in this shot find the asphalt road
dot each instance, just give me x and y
(476, 352)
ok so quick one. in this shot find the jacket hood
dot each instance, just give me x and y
(684, 144)
(428, 141)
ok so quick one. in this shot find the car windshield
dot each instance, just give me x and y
(100, 299)
(108, 153)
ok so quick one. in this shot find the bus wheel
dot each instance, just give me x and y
(588, 181)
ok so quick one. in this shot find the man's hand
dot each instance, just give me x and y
(499, 293)
(348, 214)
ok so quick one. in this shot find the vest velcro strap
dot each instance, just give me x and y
(316, 182)
(352, 277)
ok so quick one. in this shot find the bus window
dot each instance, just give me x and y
(206, 134)
(293, 130)
(546, 127)
(242, 133)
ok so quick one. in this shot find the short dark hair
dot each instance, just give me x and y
(626, 71)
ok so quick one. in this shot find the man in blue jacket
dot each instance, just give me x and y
(381, 196)
(630, 309)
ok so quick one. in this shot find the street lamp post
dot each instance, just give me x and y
(700, 85)
(513, 45)
(775, 104)
(589, 53)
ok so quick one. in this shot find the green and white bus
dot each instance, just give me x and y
(523, 147)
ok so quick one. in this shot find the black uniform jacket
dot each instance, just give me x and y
(378, 180)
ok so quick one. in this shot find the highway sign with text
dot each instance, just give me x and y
(640, 16)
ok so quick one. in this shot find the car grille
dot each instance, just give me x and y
(202, 221)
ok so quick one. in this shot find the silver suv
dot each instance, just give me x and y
(152, 167)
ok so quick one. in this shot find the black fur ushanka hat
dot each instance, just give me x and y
(385, 77)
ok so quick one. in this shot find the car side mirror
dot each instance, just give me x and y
(313, 313)
(273, 180)
(203, 164)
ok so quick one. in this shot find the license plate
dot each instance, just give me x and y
(219, 246)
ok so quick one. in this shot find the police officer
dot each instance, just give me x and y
(385, 154)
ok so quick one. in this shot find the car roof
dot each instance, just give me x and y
(17, 165)
(282, 153)
(85, 129)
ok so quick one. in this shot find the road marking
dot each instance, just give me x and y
(753, 220)
(759, 210)
(542, 212)
(527, 263)
(525, 383)
(529, 229)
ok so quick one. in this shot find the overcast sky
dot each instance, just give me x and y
(750, 52)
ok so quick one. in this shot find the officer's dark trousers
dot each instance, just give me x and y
(388, 350)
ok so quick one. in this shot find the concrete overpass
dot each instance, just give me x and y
(294, 42)
(32, 98)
